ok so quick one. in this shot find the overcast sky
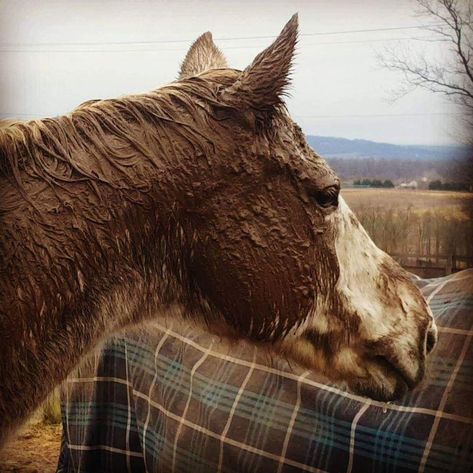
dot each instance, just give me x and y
(56, 54)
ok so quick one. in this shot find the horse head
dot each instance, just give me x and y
(276, 252)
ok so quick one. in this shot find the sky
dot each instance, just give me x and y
(56, 54)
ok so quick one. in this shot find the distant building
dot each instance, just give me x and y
(409, 185)
(423, 183)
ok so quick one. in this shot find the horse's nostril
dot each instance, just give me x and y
(431, 340)
(392, 365)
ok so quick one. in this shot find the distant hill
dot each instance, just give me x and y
(330, 147)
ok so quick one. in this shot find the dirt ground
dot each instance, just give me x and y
(34, 450)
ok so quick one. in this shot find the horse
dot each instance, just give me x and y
(200, 199)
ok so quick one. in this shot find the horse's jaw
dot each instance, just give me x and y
(375, 329)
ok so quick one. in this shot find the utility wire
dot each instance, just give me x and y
(377, 115)
(154, 50)
(236, 38)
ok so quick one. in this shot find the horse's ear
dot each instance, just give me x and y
(202, 56)
(262, 85)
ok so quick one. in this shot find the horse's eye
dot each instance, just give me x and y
(327, 197)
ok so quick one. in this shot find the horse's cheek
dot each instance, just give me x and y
(253, 280)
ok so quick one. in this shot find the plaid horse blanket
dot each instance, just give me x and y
(172, 399)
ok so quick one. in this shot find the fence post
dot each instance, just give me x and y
(448, 265)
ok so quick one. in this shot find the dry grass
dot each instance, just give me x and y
(34, 450)
(51, 409)
(422, 223)
(449, 204)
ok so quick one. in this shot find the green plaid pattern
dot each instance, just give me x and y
(175, 399)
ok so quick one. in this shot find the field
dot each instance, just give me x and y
(420, 228)
(451, 204)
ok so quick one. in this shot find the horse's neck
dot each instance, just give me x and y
(78, 269)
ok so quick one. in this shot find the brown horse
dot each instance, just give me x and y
(200, 198)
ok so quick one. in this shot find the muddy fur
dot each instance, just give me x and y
(199, 199)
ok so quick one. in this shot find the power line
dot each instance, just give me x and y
(154, 50)
(25, 115)
(235, 38)
(321, 43)
(377, 115)
(372, 30)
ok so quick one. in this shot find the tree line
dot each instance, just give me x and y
(426, 233)
(387, 183)
(438, 185)
(457, 173)
(375, 168)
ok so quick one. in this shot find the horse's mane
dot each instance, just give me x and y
(113, 134)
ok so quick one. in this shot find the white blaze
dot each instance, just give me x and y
(388, 312)
(359, 262)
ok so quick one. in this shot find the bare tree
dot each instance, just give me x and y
(451, 25)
